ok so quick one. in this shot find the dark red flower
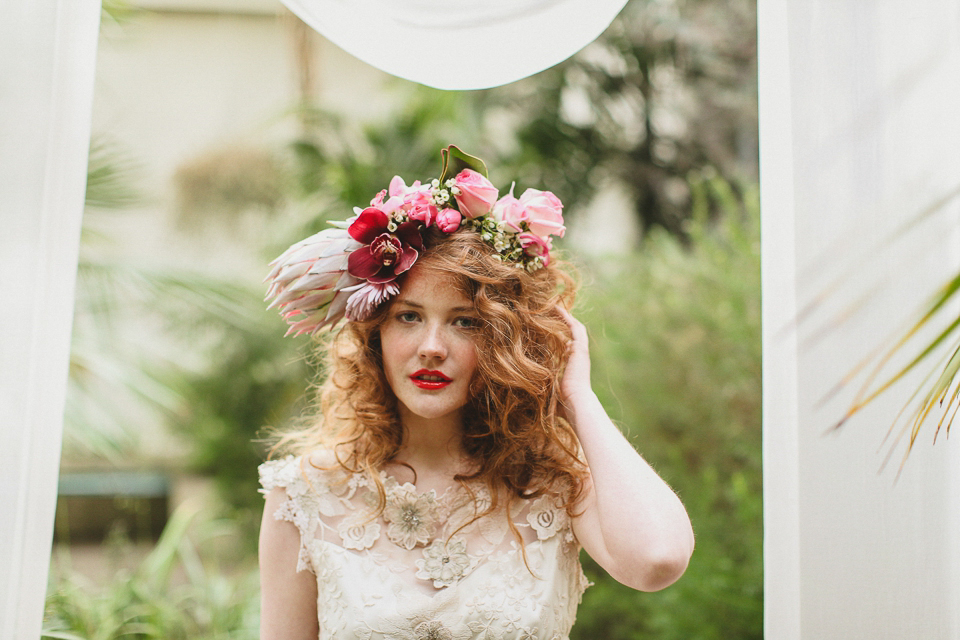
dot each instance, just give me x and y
(385, 254)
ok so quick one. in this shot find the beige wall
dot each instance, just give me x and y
(172, 82)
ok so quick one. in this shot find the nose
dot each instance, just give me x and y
(432, 343)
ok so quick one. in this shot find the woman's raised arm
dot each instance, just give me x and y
(631, 522)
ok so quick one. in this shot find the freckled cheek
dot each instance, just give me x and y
(397, 351)
(469, 360)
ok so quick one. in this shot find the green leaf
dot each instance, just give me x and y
(60, 635)
(455, 161)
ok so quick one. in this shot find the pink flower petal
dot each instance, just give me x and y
(397, 186)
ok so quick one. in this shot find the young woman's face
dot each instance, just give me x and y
(428, 342)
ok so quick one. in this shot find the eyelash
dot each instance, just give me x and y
(463, 322)
(472, 323)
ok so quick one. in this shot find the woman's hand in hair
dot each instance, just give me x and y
(630, 522)
(576, 374)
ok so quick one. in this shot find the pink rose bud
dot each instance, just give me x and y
(534, 245)
(448, 220)
(509, 211)
(477, 194)
(424, 212)
(544, 212)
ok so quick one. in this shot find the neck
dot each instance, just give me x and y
(432, 445)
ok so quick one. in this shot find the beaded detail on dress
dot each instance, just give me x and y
(416, 572)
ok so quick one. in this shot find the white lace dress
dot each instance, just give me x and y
(414, 574)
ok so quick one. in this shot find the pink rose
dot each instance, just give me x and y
(544, 213)
(510, 211)
(534, 245)
(448, 220)
(477, 194)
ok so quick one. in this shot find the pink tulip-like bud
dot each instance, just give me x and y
(544, 213)
(449, 220)
(477, 194)
(424, 212)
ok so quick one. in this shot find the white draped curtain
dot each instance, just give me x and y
(47, 55)
(859, 134)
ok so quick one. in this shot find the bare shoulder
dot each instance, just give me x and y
(288, 597)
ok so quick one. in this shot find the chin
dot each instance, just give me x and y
(432, 411)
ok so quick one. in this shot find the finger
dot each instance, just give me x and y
(573, 322)
(577, 328)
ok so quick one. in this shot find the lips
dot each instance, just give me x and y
(430, 380)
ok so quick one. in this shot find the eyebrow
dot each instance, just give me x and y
(416, 305)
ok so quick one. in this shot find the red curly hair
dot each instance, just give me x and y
(512, 429)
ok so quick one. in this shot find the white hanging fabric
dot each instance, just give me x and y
(451, 44)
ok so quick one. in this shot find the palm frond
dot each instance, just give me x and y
(940, 354)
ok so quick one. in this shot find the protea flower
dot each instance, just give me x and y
(307, 281)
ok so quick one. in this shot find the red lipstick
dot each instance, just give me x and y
(430, 380)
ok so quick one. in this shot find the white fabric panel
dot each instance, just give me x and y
(781, 490)
(859, 133)
(47, 54)
(451, 44)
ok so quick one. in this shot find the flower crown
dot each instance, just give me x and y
(351, 269)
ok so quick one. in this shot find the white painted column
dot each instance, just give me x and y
(47, 55)
(859, 133)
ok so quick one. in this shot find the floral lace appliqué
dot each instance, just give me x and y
(358, 535)
(444, 562)
(429, 567)
(411, 518)
(546, 517)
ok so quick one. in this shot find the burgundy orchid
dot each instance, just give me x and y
(385, 254)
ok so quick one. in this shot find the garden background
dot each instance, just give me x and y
(226, 131)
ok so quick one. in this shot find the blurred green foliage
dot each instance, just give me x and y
(668, 88)
(184, 589)
(255, 380)
(675, 343)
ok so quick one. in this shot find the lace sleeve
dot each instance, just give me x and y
(299, 506)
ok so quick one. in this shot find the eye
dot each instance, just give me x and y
(407, 316)
(467, 322)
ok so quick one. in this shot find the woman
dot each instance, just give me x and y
(461, 457)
